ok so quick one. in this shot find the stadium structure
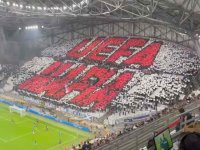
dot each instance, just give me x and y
(98, 74)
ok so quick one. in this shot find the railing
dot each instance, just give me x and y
(139, 138)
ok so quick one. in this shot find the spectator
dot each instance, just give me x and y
(183, 118)
(150, 143)
(190, 142)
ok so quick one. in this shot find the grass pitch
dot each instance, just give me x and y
(25, 133)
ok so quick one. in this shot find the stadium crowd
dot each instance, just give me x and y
(92, 144)
(141, 88)
(111, 75)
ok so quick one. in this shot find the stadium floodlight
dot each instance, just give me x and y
(82, 2)
(74, 5)
(64, 7)
(39, 8)
(31, 27)
(15, 5)
(55, 8)
(35, 27)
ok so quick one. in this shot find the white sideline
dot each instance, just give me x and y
(18, 137)
(4, 118)
(1, 139)
(18, 122)
(74, 137)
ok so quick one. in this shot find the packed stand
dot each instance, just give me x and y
(60, 51)
(98, 142)
(108, 72)
(6, 70)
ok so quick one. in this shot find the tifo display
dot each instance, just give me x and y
(109, 72)
(116, 81)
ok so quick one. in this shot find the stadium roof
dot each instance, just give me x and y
(183, 15)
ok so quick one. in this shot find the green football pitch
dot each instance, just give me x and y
(26, 133)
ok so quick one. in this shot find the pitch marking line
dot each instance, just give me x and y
(26, 134)
(18, 137)
(9, 120)
(4, 118)
(59, 145)
(1, 139)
